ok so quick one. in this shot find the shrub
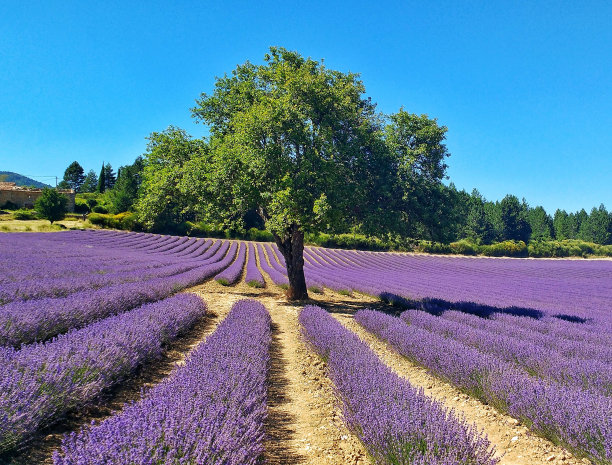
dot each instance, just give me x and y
(100, 209)
(81, 206)
(505, 249)
(260, 235)
(433, 247)
(25, 215)
(8, 205)
(127, 221)
(464, 247)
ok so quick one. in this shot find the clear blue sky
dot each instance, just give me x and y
(525, 88)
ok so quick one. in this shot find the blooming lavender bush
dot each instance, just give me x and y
(253, 275)
(231, 274)
(396, 423)
(41, 382)
(37, 320)
(209, 411)
(533, 357)
(581, 420)
(276, 276)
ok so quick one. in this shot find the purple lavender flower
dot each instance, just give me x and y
(210, 410)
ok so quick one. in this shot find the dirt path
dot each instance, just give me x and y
(513, 442)
(304, 424)
(40, 449)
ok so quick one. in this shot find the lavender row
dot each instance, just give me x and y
(565, 338)
(36, 289)
(253, 276)
(38, 320)
(40, 383)
(566, 288)
(578, 419)
(210, 410)
(276, 276)
(531, 358)
(231, 274)
(396, 422)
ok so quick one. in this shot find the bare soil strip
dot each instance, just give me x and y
(514, 444)
(304, 423)
(40, 449)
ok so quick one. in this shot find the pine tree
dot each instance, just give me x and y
(102, 180)
(109, 176)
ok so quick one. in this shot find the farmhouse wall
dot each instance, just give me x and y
(25, 197)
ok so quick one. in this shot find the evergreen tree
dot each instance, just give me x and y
(560, 222)
(478, 227)
(597, 226)
(541, 224)
(90, 184)
(109, 176)
(513, 217)
(102, 180)
(74, 176)
(125, 192)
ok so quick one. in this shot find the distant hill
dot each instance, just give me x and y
(20, 180)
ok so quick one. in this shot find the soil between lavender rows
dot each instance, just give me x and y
(305, 424)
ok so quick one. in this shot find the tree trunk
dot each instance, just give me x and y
(292, 248)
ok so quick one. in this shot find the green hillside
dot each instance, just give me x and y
(20, 180)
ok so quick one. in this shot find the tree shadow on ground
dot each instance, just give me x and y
(394, 305)
(278, 424)
(437, 307)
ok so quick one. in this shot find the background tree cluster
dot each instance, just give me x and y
(471, 216)
(118, 191)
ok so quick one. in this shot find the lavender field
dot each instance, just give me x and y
(81, 312)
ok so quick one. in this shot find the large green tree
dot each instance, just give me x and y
(301, 145)
(541, 224)
(416, 144)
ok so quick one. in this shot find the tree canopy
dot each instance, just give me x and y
(305, 148)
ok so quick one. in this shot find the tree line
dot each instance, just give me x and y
(119, 190)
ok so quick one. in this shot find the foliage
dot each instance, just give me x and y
(74, 176)
(541, 224)
(126, 221)
(416, 146)
(90, 183)
(597, 227)
(514, 219)
(301, 145)
(102, 180)
(505, 249)
(8, 205)
(51, 205)
(125, 192)
(464, 247)
(24, 214)
(99, 209)
(171, 180)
